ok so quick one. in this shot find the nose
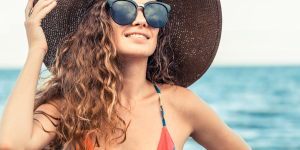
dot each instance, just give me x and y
(140, 20)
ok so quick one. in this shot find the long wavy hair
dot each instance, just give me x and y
(85, 82)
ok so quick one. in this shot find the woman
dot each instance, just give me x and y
(108, 82)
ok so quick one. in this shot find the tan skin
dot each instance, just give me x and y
(185, 113)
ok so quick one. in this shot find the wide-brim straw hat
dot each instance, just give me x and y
(195, 33)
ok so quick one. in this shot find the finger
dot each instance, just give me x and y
(28, 7)
(41, 6)
(38, 2)
(42, 14)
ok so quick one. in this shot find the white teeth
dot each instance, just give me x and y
(137, 35)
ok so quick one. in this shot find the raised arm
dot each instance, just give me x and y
(17, 127)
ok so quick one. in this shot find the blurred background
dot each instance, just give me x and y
(254, 81)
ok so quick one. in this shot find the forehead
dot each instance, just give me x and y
(142, 1)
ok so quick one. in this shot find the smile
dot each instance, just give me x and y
(136, 36)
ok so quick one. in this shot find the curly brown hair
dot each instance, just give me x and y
(86, 82)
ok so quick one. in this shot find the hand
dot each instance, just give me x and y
(35, 35)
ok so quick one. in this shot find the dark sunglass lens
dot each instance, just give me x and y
(123, 12)
(156, 15)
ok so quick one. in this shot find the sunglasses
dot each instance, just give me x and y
(123, 12)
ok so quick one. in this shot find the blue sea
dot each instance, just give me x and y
(261, 104)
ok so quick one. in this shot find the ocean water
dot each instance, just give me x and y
(261, 104)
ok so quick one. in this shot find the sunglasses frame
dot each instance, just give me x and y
(168, 7)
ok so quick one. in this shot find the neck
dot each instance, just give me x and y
(136, 87)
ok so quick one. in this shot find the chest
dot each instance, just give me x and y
(145, 129)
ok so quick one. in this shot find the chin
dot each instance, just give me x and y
(135, 52)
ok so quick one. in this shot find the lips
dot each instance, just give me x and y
(137, 35)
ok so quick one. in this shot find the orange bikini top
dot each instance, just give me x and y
(165, 142)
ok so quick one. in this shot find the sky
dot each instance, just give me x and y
(254, 33)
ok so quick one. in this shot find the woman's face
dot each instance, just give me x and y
(128, 39)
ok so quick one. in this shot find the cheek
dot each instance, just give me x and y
(116, 32)
(155, 37)
(154, 43)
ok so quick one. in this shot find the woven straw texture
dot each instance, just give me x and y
(195, 28)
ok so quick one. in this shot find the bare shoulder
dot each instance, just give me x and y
(47, 115)
(170, 90)
(181, 98)
(184, 102)
(207, 128)
(45, 121)
(51, 108)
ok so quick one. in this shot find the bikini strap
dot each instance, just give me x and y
(161, 106)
